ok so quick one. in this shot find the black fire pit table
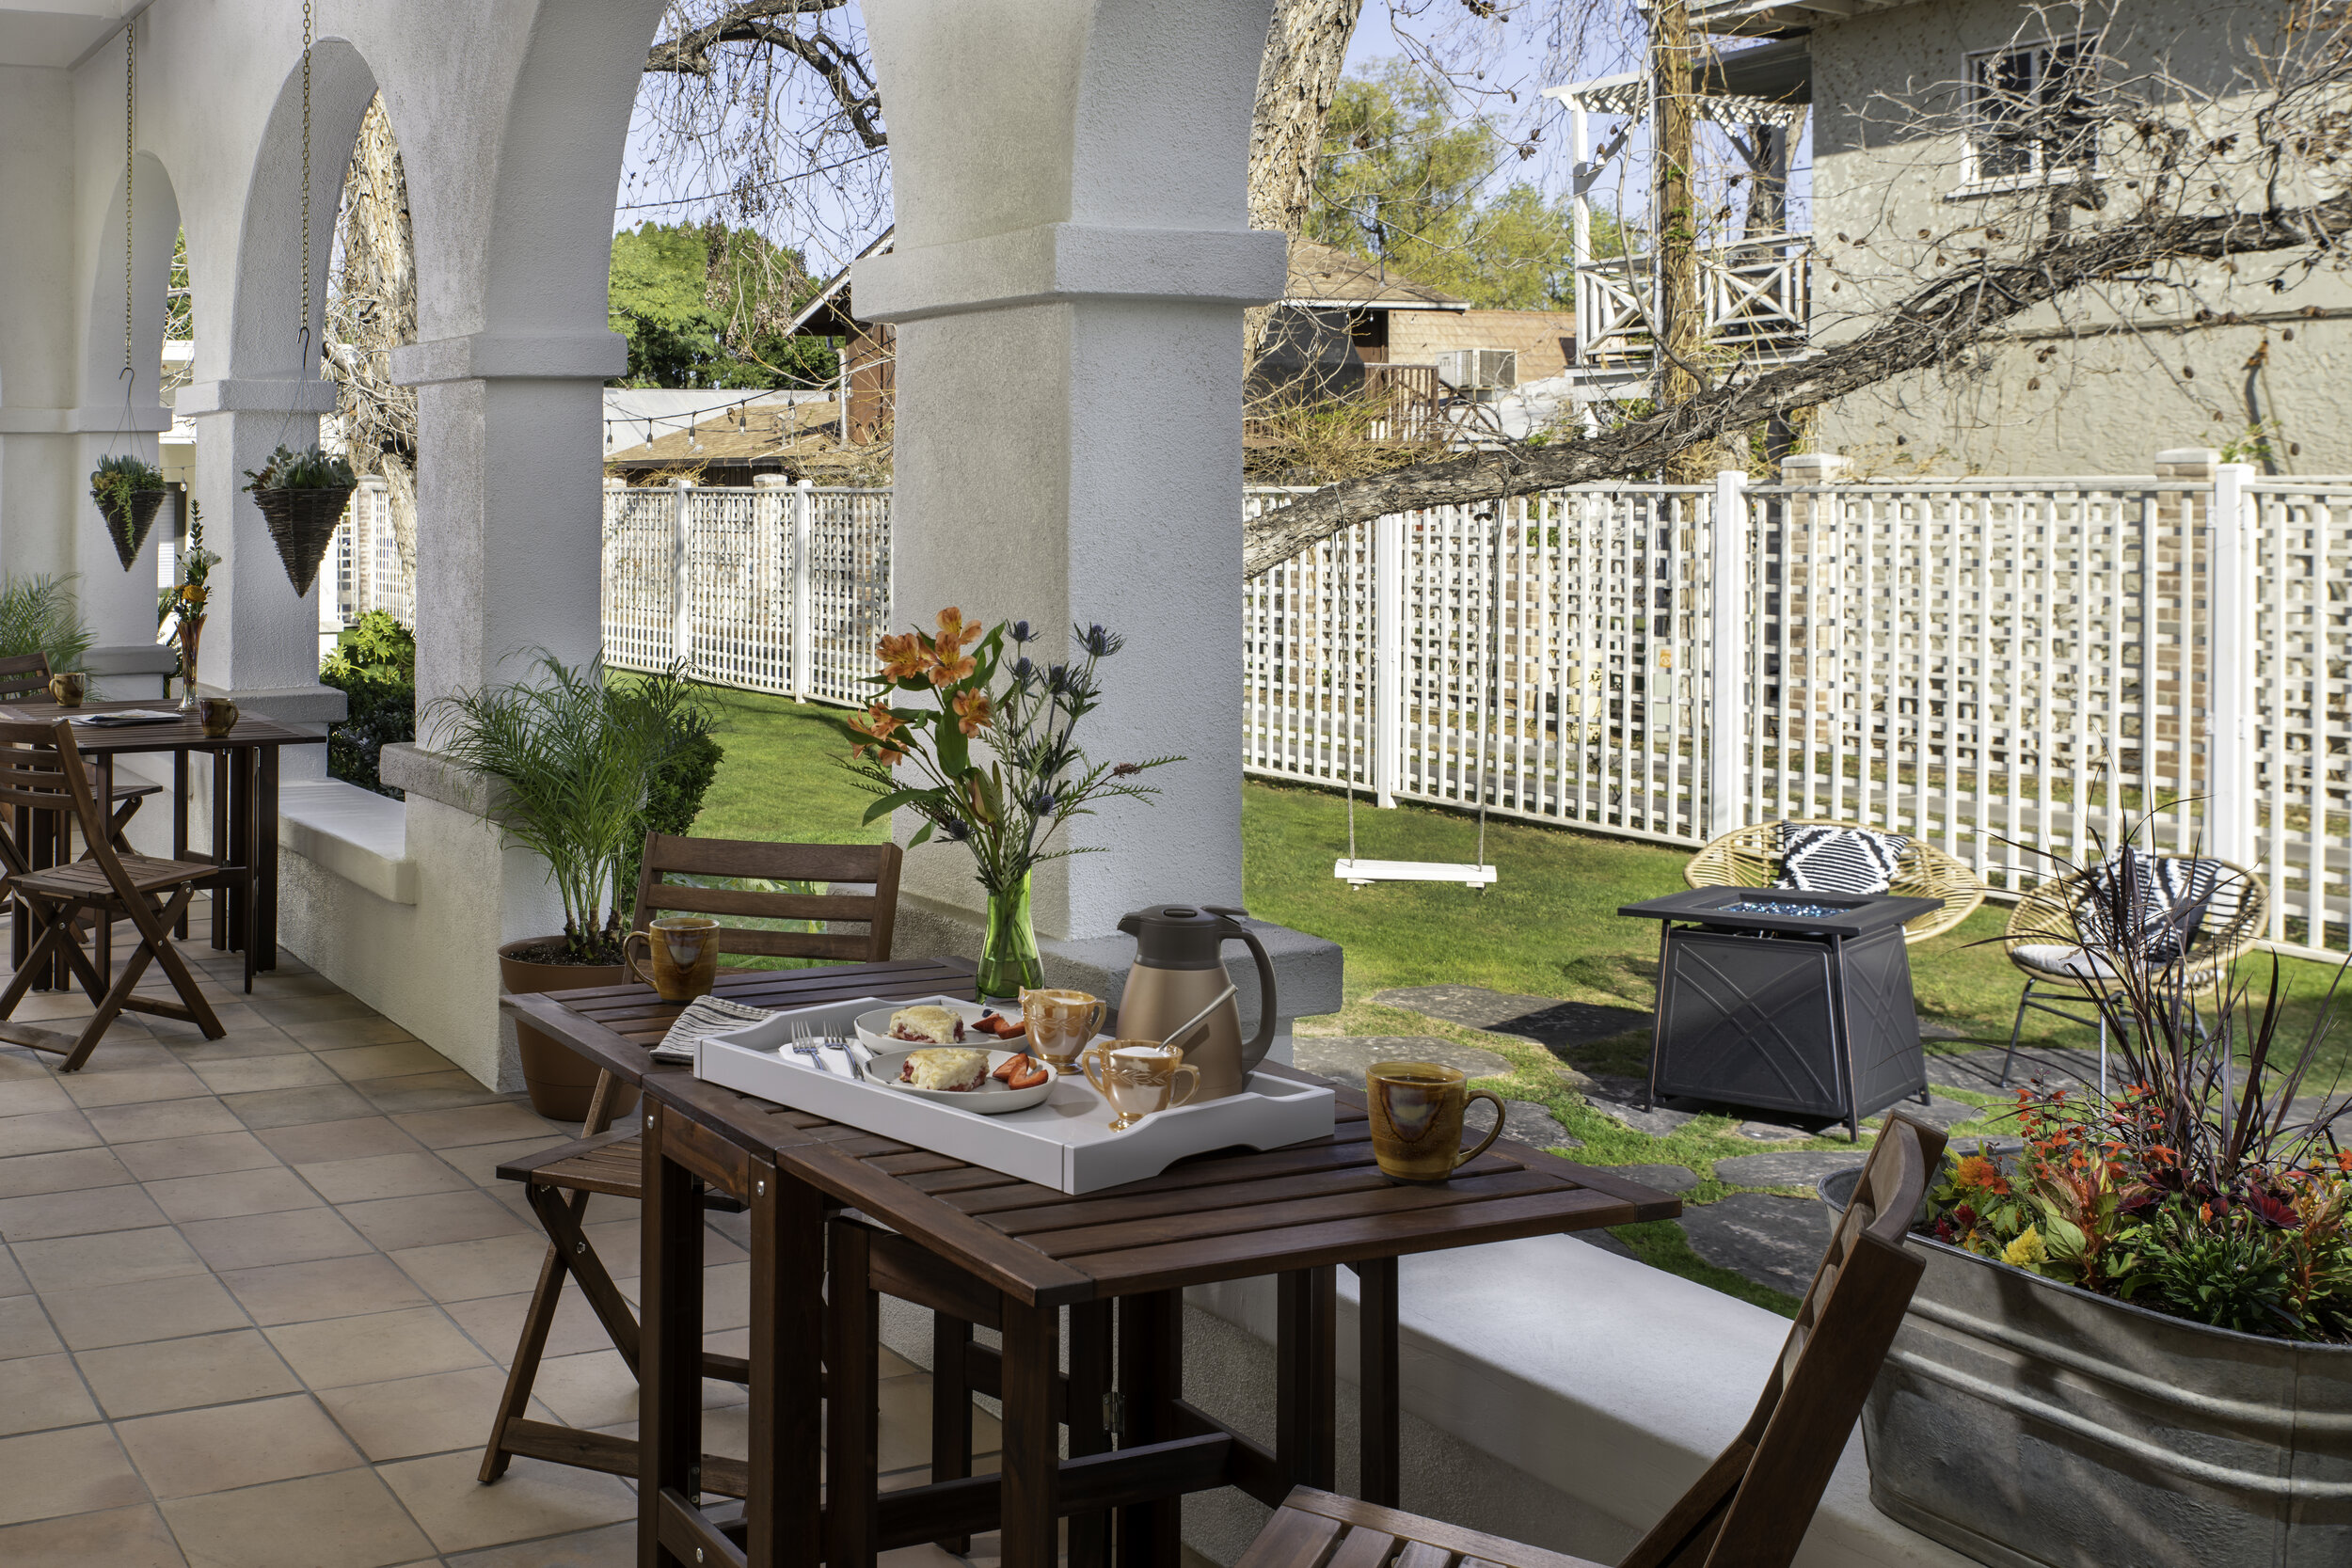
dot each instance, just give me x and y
(1786, 1001)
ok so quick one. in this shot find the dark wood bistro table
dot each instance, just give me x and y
(244, 813)
(981, 1247)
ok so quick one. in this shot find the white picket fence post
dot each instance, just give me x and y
(681, 572)
(804, 666)
(1726, 736)
(1388, 655)
(2230, 812)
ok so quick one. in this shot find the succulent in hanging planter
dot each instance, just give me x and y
(302, 496)
(128, 490)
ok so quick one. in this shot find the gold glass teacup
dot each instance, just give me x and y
(1139, 1077)
(1060, 1022)
(682, 952)
(1417, 1119)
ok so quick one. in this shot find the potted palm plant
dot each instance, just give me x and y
(302, 496)
(128, 490)
(574, 754)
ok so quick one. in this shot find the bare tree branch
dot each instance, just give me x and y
(753, 21)
(1935, 323)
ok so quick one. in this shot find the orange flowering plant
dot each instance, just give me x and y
(980, 689)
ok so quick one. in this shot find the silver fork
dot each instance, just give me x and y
(805, 1044)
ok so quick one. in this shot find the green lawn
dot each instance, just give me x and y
(1548, 927)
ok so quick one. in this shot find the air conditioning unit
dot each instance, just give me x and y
(1479, 373)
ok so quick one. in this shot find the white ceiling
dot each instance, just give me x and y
(59, 32)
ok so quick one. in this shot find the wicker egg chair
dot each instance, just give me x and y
(2042, 941)
(1750, 857)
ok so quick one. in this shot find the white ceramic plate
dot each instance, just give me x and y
(991, 1099)
(873, 1025)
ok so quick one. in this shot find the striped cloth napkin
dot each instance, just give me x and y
(704, 1015)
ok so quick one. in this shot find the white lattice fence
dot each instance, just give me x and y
(2301, 706)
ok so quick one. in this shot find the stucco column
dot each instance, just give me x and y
(1072, 259)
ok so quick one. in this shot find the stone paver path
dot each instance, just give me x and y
(1545, 1020)
(257, 1296)
(1344, 1058)
(1772, 1240)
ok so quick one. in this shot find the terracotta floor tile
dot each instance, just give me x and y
(462, 1271)
(24, 1096)
(534, 1498)
(178, 1374)
(349, 1520)
(495, 1323)
(117, 1258)
(42, 1132)
(251, 1074)
(169, 1118)
(328, 1005)
(297, 1107)
(206, 1154)
(216, 1449)
(255, 1039)
(358, 1138)
(597, 1389)
(150, 1309)
(117, 1538)
(349, 1032)
(330, 1288)
(77, 1213)
(130, 1087)
(24, 1328)
(40, 1392)
(396, 1224)
(334, 1352)
(479, 1124)
(69, 1171)
(399, 1059)
(403, 1417)
(232, 1194)
(12, 1280)
(258, 1241)
(479, 1163)
(79, 1470)
(384, 1176)
(446, 1090)
(613, 1547)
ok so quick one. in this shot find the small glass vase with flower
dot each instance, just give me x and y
(1008, 807)
(187, 600)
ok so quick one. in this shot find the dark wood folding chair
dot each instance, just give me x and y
(42, 778)
(27, 675)
(559, 1181)
(1753, 1505)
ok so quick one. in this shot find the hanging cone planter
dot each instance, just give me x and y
(130, 516)
(302, 523)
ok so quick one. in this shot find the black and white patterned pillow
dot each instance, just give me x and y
(2151, 904)
(1815, 858)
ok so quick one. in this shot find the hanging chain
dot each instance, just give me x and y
(306, 183)
(130, 108)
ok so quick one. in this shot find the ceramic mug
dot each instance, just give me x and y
(1139, 1077)
(682, 957)
(218, 715)
(1417, 1119)
(1060, 1022)
(67, 687)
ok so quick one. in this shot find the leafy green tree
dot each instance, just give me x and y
(1403, 180)
(703, 305)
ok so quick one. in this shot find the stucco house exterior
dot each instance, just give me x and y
(1918, 158)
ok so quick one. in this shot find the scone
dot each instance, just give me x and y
(944, 1067)
(931, 1025)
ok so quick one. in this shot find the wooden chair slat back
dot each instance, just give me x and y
(23, 676)
(862, 864)
(1754, 1503)
(32, 770)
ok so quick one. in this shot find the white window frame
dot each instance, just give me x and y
(1976, 181)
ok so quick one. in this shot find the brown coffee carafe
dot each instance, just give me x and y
(1178, 972)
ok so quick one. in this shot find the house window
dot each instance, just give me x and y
(2025, 114)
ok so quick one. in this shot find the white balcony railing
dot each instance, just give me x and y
(1756, 297)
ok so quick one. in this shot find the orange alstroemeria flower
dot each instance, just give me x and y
(903, 659)
(950, 667)
(954, 632)
(973, 712)
(879, 722)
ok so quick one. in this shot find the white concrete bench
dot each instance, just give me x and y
(356, 833)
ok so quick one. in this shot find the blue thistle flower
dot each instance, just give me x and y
(955, 829)
(1020, 633)
(1100, 641)
(1042, 804)
(1057, 678)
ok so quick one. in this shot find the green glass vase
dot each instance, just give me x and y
(1008, 958)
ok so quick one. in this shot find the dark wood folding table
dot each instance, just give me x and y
(876, 1216)
(245, 812)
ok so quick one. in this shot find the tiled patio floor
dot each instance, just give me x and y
(258, 1294)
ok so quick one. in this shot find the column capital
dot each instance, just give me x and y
(257, 395)
(1058, 262)
(84, 422)
(512, 356)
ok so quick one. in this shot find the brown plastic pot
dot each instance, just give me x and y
(560, 1080)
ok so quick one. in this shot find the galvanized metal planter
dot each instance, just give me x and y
(2032, 1425)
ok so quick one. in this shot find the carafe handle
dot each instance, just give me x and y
(1254, 1052)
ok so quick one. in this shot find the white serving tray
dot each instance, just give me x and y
(1066, 1143)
